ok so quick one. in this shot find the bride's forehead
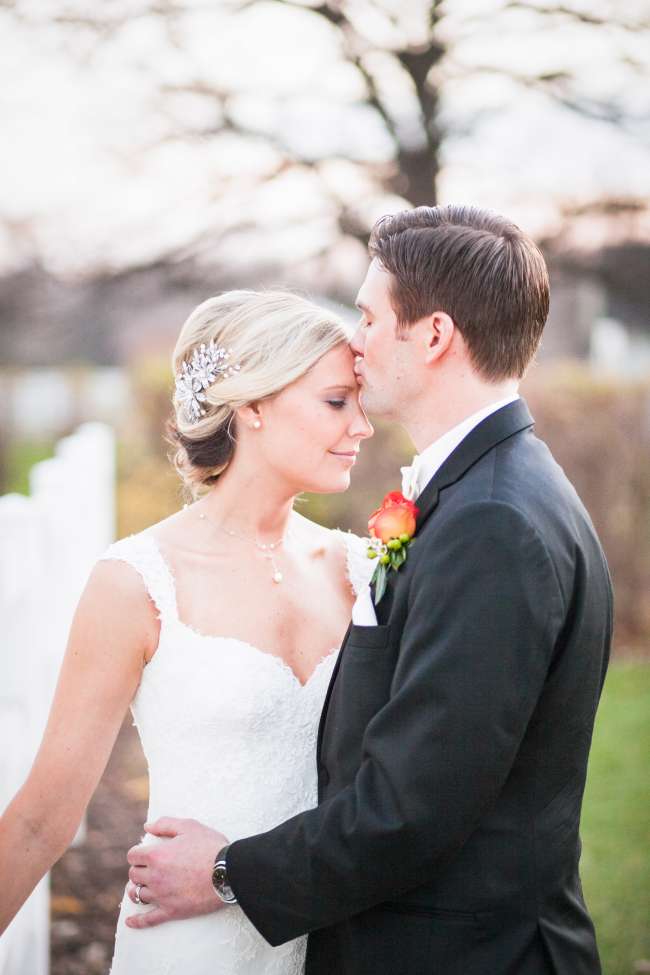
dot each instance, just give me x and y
(334, 368)
(333, 373)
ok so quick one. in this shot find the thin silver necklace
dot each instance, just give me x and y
(266, 548)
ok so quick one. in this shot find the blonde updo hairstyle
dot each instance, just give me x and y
(275, 337)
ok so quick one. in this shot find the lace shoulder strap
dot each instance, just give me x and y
(142, 553)
(359, 566)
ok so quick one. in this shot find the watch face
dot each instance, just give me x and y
(219, 875)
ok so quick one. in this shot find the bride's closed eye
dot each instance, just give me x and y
(337, 404)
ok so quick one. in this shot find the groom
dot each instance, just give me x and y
(453, 743)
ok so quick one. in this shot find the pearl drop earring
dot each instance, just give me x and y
(257, 424)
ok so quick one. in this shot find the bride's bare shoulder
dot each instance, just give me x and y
(118, 576)
(114, 590)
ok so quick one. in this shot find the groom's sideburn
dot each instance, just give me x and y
(453, 743)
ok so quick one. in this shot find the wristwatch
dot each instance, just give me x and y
(220, 878)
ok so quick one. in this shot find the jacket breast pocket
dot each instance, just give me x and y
(361, 689)
(372, 637)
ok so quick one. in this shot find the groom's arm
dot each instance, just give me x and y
(484, 614)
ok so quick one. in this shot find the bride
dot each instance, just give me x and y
(218, 625)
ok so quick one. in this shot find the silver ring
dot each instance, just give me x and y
(138, 888)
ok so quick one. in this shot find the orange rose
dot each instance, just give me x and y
(395, 517)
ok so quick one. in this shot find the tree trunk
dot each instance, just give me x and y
(417, 175)
(418, 165)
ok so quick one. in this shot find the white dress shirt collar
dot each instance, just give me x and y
(424, 466)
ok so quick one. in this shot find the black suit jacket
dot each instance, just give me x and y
(454, 740)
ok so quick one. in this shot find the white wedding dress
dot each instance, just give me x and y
(229, 734)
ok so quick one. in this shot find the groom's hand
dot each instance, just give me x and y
(176, 876)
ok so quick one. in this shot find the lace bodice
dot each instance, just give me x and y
(229, 734)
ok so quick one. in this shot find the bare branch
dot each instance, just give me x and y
(578, 15)
(227, 124)
(326, 10)
(374, 98)
(555, 86)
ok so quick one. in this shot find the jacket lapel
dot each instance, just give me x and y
(496, 428)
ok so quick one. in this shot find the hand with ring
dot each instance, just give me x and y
(174, 877)
(135, 893)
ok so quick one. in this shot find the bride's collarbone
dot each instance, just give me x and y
(314, 568)
(299, 619)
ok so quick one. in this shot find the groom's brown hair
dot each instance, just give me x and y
(476, 266)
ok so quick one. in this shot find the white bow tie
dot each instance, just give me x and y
(410, 479)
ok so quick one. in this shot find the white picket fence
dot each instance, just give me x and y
(48, 543)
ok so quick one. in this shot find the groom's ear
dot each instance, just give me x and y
(439, 333)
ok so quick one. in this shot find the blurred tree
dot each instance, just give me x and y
(387, 70)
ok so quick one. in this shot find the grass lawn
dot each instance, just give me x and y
(615, 863)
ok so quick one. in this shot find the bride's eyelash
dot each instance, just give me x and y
(337, 404)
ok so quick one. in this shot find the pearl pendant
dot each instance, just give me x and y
(277, 577)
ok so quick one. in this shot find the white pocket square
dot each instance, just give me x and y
(363, 611)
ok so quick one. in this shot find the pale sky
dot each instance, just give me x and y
(87, 181)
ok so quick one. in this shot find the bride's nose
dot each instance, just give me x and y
(360, 426)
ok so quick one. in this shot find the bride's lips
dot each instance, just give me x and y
(346, 455)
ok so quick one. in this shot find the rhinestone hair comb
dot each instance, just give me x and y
(208, 364)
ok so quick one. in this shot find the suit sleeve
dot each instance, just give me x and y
(484, 614)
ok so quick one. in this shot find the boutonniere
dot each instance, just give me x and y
(391, 527)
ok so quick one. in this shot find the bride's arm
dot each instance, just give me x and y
(113, 633)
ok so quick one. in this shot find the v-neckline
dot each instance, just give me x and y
(274, 657)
